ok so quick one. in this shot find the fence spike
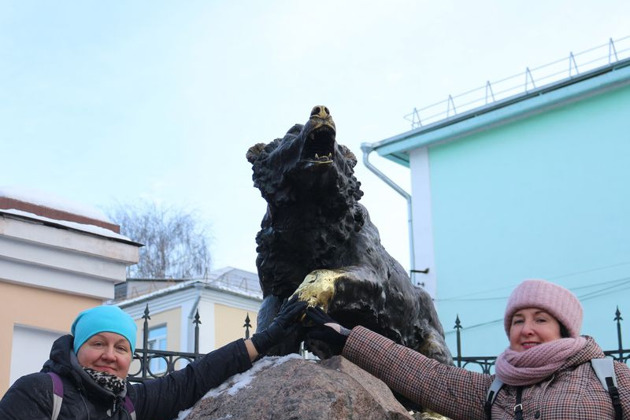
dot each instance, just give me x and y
(197, 320)
(618, 318)
(458, 323)
(458, 327)
(247, 326)
(145, 342)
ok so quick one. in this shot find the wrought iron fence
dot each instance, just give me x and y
(153, 363)
(173, 360)
(486, 363)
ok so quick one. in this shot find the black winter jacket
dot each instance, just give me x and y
(31, 396)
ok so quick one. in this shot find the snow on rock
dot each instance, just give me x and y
(241, 380)
(289, 388)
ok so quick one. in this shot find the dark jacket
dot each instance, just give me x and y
(31, 396)
(573, 392)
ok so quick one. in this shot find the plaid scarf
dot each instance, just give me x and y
(108, 381)
(520, 368)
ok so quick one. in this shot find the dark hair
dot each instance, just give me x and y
(564, 333)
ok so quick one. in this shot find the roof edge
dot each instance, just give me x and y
(396, 148)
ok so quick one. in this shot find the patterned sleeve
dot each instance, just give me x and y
(448, 390)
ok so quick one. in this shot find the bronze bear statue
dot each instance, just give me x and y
(316, 240)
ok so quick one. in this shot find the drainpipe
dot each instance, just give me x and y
(367, 149)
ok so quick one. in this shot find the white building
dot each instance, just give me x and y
(223, 301)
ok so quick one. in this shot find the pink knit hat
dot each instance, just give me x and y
(556, 300)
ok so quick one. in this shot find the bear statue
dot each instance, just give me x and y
(316, 240)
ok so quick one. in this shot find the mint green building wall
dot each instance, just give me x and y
(547, 196)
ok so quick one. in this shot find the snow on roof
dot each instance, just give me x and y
(227, 279)
(46, 199)
(235, 279)
(157, 293)
(96, 230)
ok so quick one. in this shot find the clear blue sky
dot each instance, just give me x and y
(106, 102)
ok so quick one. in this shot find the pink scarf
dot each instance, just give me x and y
(519, 368)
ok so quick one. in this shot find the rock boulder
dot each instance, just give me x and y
(291, 388)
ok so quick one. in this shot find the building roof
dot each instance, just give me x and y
(228, 279)
(530, 102)
(47, 209)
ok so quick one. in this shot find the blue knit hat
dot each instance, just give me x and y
(103, 319)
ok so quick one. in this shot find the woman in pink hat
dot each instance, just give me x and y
(546, 371)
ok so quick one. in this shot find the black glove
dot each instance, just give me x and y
(326, 329)
(282, 325)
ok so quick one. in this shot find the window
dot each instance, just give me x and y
(157, 341)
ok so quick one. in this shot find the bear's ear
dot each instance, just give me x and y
(295, 130)
(254, 152)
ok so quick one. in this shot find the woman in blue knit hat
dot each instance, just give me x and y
(88, 369)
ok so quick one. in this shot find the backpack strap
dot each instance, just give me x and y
(497, 384)
(57, 394)
(605, 371)
(518, 408)
(58, 398)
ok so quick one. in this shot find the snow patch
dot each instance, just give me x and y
(241, 380)
(183, 414)
(45, 199)
(97, 230)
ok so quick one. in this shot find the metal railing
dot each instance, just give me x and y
(167, 361)
(522, 83)
(174, 360)
(486, 363)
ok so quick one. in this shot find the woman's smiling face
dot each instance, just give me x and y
(106, 352)
(531, 327)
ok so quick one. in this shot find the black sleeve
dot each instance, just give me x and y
(30, 397)
(165, 397)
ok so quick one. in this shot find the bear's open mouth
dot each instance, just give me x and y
(319, 146)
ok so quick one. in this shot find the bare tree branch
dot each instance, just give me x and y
(176, 243)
